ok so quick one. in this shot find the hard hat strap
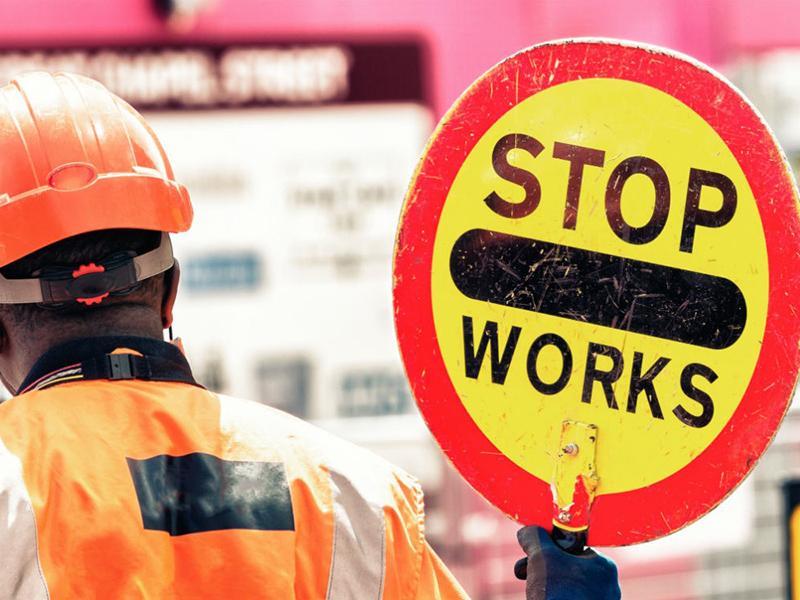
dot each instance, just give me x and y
(88, 283)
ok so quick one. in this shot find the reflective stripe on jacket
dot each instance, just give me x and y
(160, 489)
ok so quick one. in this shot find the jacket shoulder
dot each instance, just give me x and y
(375, 509)
(264, 428)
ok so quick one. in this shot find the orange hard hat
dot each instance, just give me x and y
(76, 158)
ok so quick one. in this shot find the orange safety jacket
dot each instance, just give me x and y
(121, 477)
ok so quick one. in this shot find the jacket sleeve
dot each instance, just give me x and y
(435, 580)
(378, 509)
(414, 571)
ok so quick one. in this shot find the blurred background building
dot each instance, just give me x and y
(296, 126)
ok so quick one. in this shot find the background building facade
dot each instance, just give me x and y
(296, 126)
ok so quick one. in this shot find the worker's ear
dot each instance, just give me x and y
(171, 279)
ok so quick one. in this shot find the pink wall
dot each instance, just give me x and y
(465, 38)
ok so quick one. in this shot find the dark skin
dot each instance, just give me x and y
(147, 312)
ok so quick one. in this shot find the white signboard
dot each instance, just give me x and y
(310, 198)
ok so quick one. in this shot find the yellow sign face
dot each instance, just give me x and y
(600, 258)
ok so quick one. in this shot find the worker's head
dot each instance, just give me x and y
(87, 197)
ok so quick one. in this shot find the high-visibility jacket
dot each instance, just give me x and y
(120, 477)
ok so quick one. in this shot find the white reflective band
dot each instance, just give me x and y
(21, 574)
(359, 538)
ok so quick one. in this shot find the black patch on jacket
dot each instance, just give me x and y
(199, 492)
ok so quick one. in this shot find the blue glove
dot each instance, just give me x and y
(556, 575)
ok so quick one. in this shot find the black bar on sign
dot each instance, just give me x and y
(601, 289)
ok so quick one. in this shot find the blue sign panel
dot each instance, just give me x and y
(374, 393)
(230, 271)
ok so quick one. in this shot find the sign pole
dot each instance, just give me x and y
(574, 484)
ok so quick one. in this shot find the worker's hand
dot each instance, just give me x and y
(556, 575)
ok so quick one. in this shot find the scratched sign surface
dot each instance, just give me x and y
(608, 234)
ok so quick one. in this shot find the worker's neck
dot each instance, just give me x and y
(22, 351)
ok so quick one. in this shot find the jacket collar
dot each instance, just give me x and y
(99, 358)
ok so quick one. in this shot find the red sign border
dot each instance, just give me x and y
(617, 519)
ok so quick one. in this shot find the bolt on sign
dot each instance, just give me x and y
(596, 286)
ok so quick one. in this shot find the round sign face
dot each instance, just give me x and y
(605, 234)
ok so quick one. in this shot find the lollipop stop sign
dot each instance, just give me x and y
(595, 288)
